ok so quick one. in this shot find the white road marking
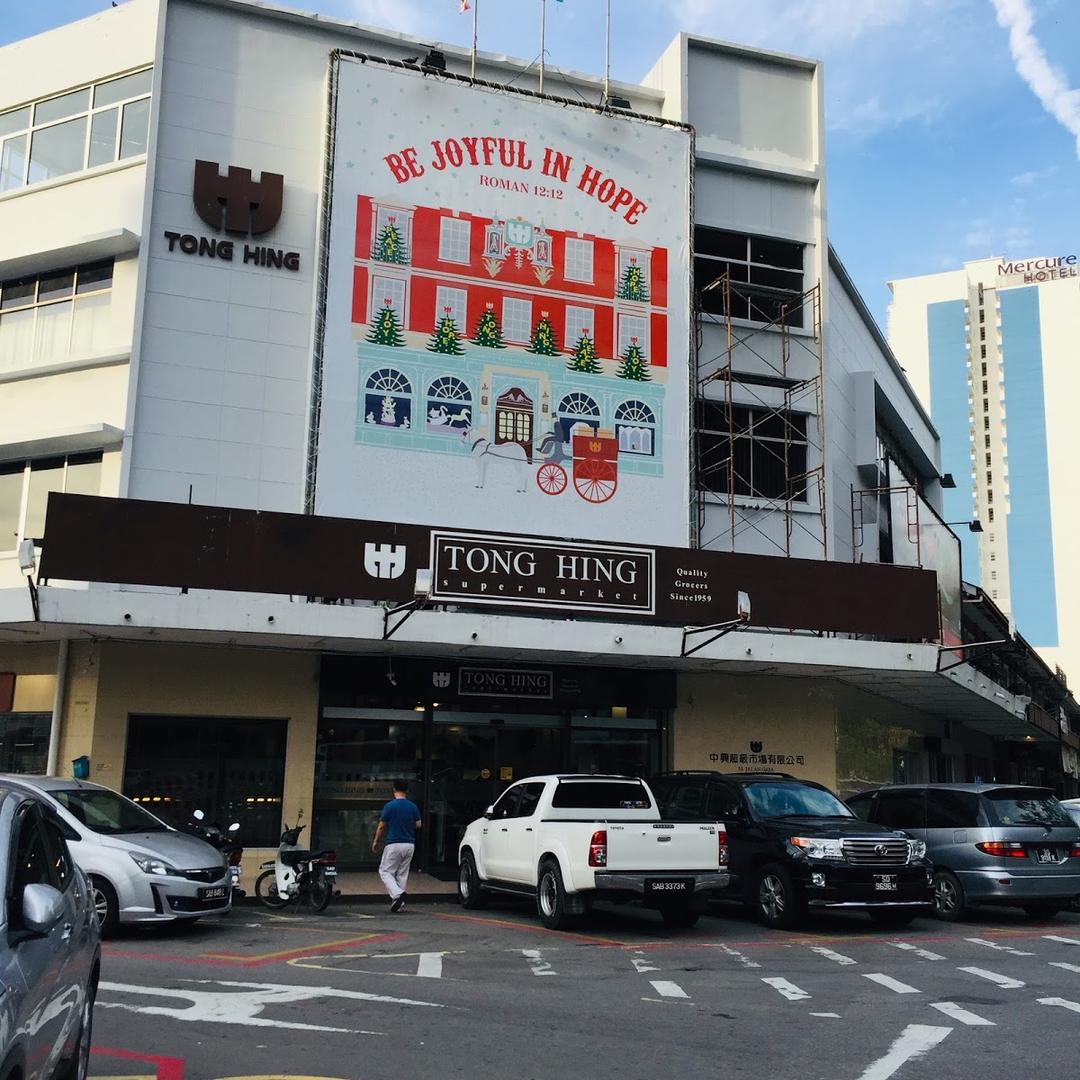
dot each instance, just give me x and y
(1000, 948)
(788, 989)
(951, 1009)
(922, 954)
(914, 1041)
(1062, 964)
(741, 957)
(429, 965)
(1063, 940)
(537, 963)
(829, 1016)
(244, 1006)
(992, 976)
(892, 984)
(1072, 1006)
(668, 1001)
(668, 989)
(835, 957)
(641, 966)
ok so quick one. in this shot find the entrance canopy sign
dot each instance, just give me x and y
(506, 318)
(88, 538)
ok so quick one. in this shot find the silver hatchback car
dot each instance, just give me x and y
(989, 843)
(141, 869)
(50, 946)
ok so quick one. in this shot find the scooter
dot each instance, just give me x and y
(297, 874)
(224, 841)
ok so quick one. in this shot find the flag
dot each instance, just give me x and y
(464, 7)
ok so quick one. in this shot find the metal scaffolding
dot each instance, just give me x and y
(802, 396)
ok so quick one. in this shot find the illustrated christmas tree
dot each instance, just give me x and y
(488, 332)
(390, 245)
(584, 356)
(632, 286)
(386, 330)
(632, 363)
(445, 337)
(543, 339)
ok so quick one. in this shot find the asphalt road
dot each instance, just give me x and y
(360, 994)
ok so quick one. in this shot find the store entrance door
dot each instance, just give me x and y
(474, 758)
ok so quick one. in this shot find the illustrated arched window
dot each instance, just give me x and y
(635, 428)
(449, 406)
(388, 399)
(577, 408)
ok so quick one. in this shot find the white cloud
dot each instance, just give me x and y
(870, 116)
(1047, 83)
(1032, 177)
(402, 15)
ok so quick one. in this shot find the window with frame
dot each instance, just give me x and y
(457, 301)
(392, 289)
(50, 317)
(449, 406)
(79, 129)
(760, 453)
(767, 275)
(633, 329)
(25, 488)
(455, 235)
(635, 428)
(577, 408)
(578, 260)
(393, 234)
(517, 320)
(388, 399)
(578, 320)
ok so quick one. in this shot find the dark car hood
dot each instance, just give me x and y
(828, 828)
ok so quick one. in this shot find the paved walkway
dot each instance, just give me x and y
(365, 886)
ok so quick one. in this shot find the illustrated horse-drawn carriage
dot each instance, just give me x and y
(594, 467)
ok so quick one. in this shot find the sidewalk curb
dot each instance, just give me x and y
(364, 900)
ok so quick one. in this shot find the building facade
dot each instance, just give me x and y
(989, 349)
(206, 615)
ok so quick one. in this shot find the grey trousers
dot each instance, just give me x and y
(394, 867)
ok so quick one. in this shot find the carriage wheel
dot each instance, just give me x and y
(551, 479)
(594, 479)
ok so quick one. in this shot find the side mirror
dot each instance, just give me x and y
(42, 908)
(198, 815)
(234, 826)
(489, 812)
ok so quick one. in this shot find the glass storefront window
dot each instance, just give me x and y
(24, 742)
(614, 744)
(231, 769)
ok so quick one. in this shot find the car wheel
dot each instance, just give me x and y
(78, 1067)
(680, 916)
(894, 918)
(551, 896)
(266, 890)
(949, 901)
(106, 906)
(1042, 911)
(471, 893)
(778, 902)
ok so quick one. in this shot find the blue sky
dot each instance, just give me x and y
(944, 142)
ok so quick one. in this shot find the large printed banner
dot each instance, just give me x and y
(507, 314)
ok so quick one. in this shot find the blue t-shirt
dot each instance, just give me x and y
(401, 816)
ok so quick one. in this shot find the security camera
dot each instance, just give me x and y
(26, 556)
(423, 585)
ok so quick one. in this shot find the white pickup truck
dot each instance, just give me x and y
(569, 840)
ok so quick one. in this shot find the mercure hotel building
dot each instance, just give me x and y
(363, 416)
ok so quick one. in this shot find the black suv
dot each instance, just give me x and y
(793, 844)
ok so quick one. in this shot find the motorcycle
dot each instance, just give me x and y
(224, 840)
(297, 874)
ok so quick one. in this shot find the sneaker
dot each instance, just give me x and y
(398, 903)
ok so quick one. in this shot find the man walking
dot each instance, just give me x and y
(398, 822)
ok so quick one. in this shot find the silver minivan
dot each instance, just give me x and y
(989, 843)
(141, 869)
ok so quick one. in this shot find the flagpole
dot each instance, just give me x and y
(543, 12)
(607, 52)
(472, 69)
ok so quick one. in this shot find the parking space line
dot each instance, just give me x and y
(1072, 1006)
(1062, 940)
(537, 964)
(1064, 966)
(429, 965)
(668, 989)
(992, 976)
(1000, 948)
(736, 955)
(894, 985)
(787, 989)
(915, 1041)
(641, 966)
(827, 1016)
(922, 954)
(955, 1012)
(835, 957)
(531, 928)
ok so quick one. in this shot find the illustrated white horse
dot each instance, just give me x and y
(484, 451)
(439, 417)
